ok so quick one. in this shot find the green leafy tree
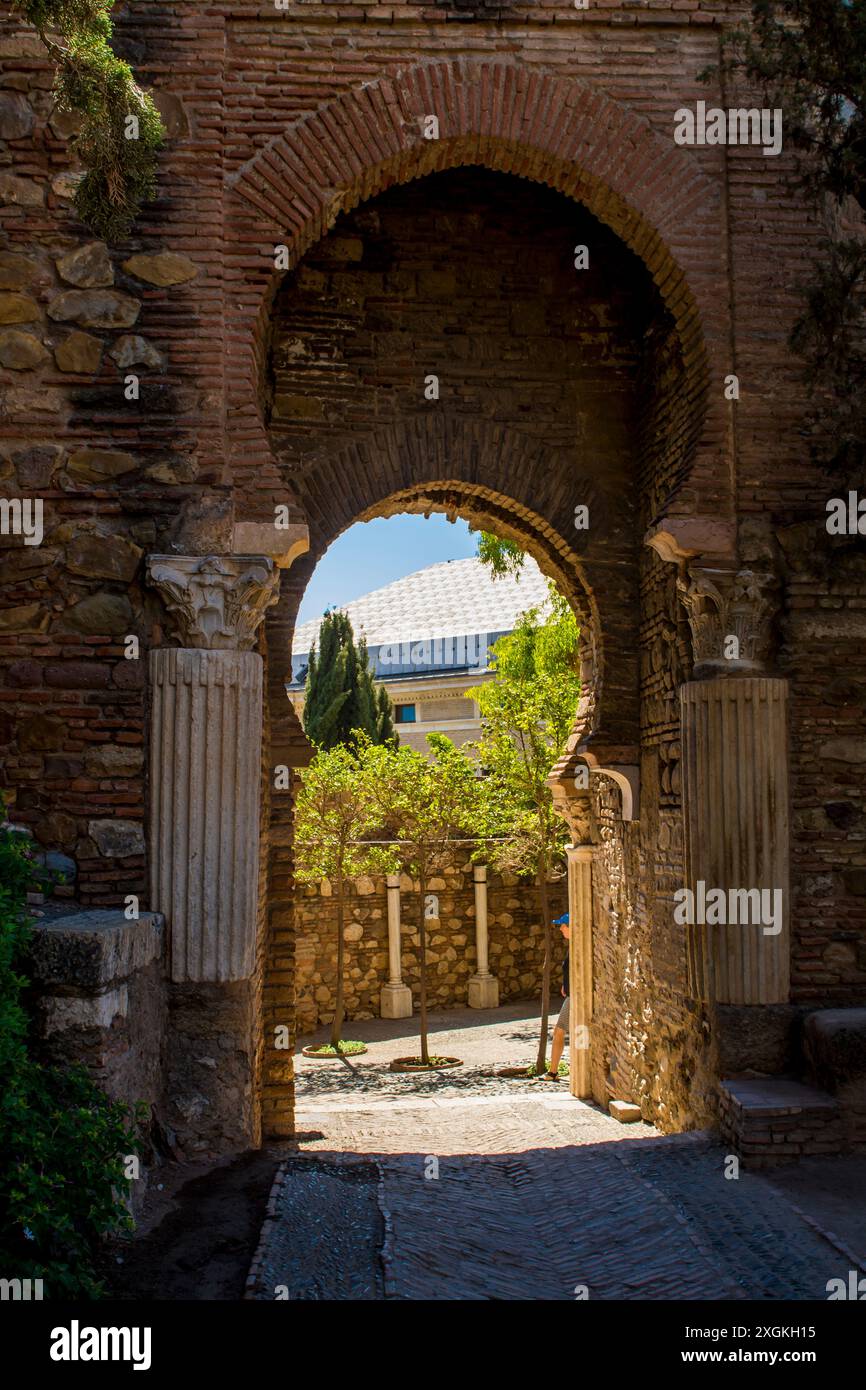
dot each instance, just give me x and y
(502, 557)
(340, 697)
(121, 129)
(527, 713)
(335, 810)
(62, 1142)
(425, 804)
(808, 57)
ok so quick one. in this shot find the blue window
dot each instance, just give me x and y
(404, 714)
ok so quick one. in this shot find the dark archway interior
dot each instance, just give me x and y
(467, 275)
(548, 380)
(558, 387)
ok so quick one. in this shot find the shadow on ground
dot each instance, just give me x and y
(643, 1220)
(197, 1237)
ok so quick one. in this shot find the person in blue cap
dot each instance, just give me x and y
(561, 1026)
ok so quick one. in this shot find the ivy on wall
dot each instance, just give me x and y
(808, 57)
(121, 130)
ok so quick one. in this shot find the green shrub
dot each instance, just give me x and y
(120, 167)
(62, 1141)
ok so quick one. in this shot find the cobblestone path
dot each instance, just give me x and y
(521, 1192)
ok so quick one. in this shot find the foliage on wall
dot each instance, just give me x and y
(62, 1142)
(808, 57)
(121, 129)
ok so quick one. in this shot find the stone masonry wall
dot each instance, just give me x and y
(516, 945)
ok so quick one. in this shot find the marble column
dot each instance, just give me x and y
(205, 812)
(735, 789)
(205, 761)
(396, 998)
(735, 802)
(580, 967)
(483, 987)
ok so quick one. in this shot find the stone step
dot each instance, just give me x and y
(772, 1120)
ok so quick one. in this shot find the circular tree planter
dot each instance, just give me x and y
(415, 1064)
(324, 1052)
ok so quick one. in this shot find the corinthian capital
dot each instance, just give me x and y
(216, 601)
(730, 615)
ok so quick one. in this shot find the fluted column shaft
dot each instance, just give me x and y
(735, 795)
(206, 748)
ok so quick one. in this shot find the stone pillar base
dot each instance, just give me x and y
(396, 1001)
(211, 1067)
(483, 992)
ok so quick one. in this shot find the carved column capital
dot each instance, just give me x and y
(731, 616)
(216, 601)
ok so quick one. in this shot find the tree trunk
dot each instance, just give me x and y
(541, 1059)
(337, 1025)
(422, 962)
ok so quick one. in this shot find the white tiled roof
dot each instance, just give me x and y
(456, 598)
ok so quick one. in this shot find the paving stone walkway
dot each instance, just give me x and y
(484, 1188)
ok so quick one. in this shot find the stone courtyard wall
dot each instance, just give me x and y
(515, 937)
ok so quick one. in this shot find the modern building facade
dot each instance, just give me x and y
(428, 639)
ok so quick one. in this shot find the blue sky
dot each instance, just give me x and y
(372, 554)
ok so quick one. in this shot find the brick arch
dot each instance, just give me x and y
(535, 125)
(501, 479)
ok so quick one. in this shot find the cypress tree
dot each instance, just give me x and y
(340, 695)
(385, 731)
(326, 693)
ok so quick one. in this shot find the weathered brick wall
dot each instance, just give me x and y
(580, 100)
(515, 937)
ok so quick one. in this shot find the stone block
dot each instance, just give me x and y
(65, 184)
(758, 1038)
(95, 308)
(20, 352)
(395, 1001)
(99, 465)
(625, 1111)
(163, 269)
(18, 308)
(61, 1012)
(835, 1045)
(88, 267)
(102, 556)
(101, 615)
(21, 192)
(79, 353)
(483, 992)
(35, 467)
(114, 760)
(132, 350)
(16, 271)
(90, 950)
(24, 617)
(42, 733)
(117, 839)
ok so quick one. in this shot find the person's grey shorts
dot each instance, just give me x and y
(564, 1014)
